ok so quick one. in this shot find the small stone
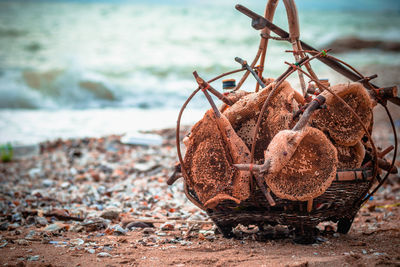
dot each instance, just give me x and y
(34, 258)
(22, 242)
(77, 228)
(47, 183)
(41, 221)
(107, 248)
(3, 243)
(33, 172)
(148, 230)
(16, 217)
(65, 185)
(13, 226)
(336, 235)
(30, 220)
(137, 225)
(378, 254)
(4, 226)
(103, 254)
(110, 214)
(161, 234)
(91, 250)
(364, 251)
(210, 237)
(117, 230)
(77, 242)
(168, 226)
(53, 227)
(143, 167)
(30, 235)
(188, 243)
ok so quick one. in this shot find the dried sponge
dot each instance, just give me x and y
(212, 148)
(337, 120)
(350, 157)
(244, 113)
(305, 164)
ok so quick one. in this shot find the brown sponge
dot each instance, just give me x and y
(244, 113)
(350, 157)
(303, 164)
(212, 148)
(338, 121)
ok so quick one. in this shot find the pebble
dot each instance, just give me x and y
(110, 215)
(3, 243)
(30, 235)
(33, 172)
(33, 258)
(117, 230)
(53, 227)
(77, 242)
(167, 226)
(4, 226)
(65, 185)
(378, 254)
(41, 221)
(13, 226)
(137, 225)
(47, 183)
(103, 254)
(91, 250)
(22, 242)
(148, 230)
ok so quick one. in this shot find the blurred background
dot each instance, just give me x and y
(77, 68)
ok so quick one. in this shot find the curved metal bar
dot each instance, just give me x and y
(271, 5)
(269, 15)
(393, 160)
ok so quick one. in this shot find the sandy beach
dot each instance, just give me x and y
(98, 202)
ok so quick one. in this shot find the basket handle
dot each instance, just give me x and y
(293, 19)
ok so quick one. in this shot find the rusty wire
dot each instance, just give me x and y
(368, 195)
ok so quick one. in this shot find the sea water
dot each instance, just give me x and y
(92, 68)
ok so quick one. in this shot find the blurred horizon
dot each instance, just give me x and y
(375, 5)
(71, 56)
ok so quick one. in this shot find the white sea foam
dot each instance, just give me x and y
(76, 55)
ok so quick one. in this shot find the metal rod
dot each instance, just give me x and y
(245, 65)
(204, 86)
(260, 22)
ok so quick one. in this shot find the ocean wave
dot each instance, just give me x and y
(58, 89)
(12, 32)
(60, 55)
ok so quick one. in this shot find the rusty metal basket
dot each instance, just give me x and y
(344, 197)
(340, 203)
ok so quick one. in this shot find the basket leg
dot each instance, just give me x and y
(305, 235)
(225, 228)
(344, 225)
